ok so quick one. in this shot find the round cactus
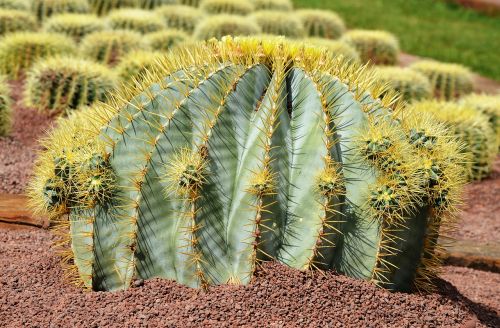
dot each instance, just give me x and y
(191, 3)
(231, 7)
(280, 5)
(76, 26)
(103, 7)
(321, 23)
(136, 64)
(15, 21)
(244, 150)
(152, 4)
(19, 51)
(377, 47)
(166, 39)
(471, 128)
(15, 4)
(335, 47)
(108, 47)
(221, 25)
(5, 107)
(47, 8)
(279, 23)
(488, 105)
(180, 17)
(139, 20)
(412, 85)
(448, 81)
(63, 84)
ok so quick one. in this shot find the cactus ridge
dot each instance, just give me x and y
(261, 151)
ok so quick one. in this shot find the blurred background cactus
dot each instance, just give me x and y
(448, 81)
(167, 39)
(136, 64)
(180, 17)
(412, 85)
(280, 5)
(76, 26)
(218, 26)
(321, 23)
(108, 47)
(16, 21)
(15, 4)
(19, 51)
(152, 4)
(63, 84)
(103, 7)
(377, 47)
(232, 7)
(279, 23)
(488, 105)
(143, 21)
(46, 8)
(191, 3)
(336, 48)
(5, 107)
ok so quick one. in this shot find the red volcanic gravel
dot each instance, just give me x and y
(32, 294)
(17, 151)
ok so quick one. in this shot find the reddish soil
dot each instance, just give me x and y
(18, 151)
(32, 293)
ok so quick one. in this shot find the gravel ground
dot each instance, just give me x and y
(32, 294)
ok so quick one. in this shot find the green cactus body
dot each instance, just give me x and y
(19, 51)
(377, 47)
(15, 4)
(76, 26)
(16, 20)
(221, 25)
(152, 4)
(321, 23)
(108, 47)
(412, 85)
(336, 48)
(448, 81)
(5, 107)
(46, 8)
(279, 5)
(263, 150)
(167, 39)
(488, 105)
(143, 21)
(231, 7)
(64, 84)
(279, 23)
(181, 17)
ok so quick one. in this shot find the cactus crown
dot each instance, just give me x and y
(74, 25)
(378, 47)
(221, 25)
(242, 150)
(232, 7)
(16, 20)
(46, 8)
(280, 5)
(336, 48)
(140, 20)
(279, 23)
(321, 23)
(181, 17)
(167, 39)
(412, 85)
(448, 81)
(5, 107)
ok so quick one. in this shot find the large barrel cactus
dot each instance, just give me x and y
(239, 151)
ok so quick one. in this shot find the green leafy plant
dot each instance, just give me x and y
(5, 107)
(15, 21)
(19, 51)
(64, 84)
(103, 7)
(448, 81)
(76, 26)
(231, 7)
(281, 5)
(220, 25)
(244, 150)
(167, 39)
(279, 23)
(136, 64)
(108, 47)
(46, 8)
(15, 4)
(488, 105)
(336, 48)
(321, 23)
(378, 47)
(152, 4)
(180, 16)
(139, 20)
(412, 85)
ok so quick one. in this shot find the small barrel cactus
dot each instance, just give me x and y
(336, 48)
(377, 47)
(64, 84)
(448, 81)
(152, 4)
(321, 23)
(108, 47)
(471, 128)
(76, 26)
(15, 4)
(19, 51)
(167, 39)
(279, 23)
(280, 5)
(488, 105)
(136, 64)
(244, 150)
(16, 21)
(231, 7)
(140, 20)
(221, 25)
(46, 8)
(180, 17)
(5, 107)
(412, 85)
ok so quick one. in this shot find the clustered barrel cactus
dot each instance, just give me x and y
(239, 151)
(16, 20)
(76, 26)
(412, 85)
(5, 107)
